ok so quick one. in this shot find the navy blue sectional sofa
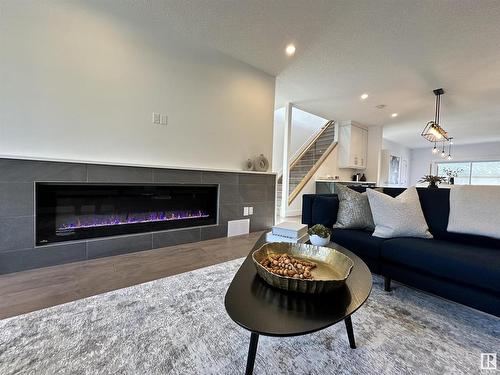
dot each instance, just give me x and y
(463, 268)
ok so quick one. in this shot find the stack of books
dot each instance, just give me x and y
(288, 232)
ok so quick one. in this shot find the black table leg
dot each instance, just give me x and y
(252, 351)
(387, 284)
(350, 332)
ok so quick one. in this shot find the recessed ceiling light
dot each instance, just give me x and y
(364, 96)
(290, 50)
(394, 115)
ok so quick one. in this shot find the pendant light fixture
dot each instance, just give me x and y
(449, 157)
(435, 150)
(434, 132)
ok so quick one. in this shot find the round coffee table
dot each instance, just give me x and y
(264, 310)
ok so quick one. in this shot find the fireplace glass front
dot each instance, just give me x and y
(69, 212)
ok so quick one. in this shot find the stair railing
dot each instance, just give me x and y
(311, 143)
(296, 191)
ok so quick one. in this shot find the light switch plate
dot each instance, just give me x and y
(250, 210)
(245, 211)
(156, 118)
(164, 120)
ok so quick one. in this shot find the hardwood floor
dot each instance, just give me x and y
(27, 291)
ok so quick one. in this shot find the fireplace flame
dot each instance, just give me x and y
(126, 219)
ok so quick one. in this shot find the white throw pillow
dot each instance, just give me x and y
(398, 217)
(475, 210)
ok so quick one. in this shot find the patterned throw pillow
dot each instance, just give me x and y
(354, 210)
(398, 217)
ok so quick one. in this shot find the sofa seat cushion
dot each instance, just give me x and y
(466, 264)
(360, 242)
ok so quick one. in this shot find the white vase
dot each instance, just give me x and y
(319, 241)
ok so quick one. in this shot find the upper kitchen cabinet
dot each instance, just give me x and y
(353, 143)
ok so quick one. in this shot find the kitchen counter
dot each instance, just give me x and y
(327, 186)
(344, 181)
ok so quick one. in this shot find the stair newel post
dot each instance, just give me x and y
(285, 182)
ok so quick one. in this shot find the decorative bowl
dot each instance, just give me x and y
(319, 241)
(332, 270)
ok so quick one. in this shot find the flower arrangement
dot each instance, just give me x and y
(452, 172)
(432, 180)
(319, 230)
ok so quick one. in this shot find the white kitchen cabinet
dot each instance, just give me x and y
(353, 143)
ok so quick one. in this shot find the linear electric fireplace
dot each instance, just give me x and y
(69, 212)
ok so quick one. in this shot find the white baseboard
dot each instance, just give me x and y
(296, 212)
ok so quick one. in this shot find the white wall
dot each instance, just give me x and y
(423, 158)
(373, 154)
(304, 126)
(395, 149)
(81, 83)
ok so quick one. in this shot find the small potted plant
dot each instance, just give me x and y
(319, 235)
(432, 180)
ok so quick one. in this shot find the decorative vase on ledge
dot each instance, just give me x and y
(432, 185)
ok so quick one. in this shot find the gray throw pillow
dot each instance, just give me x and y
(398, 217)
(354, 210)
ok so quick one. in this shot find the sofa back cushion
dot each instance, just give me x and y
(435, 205)
(324, 210)
(474, 210)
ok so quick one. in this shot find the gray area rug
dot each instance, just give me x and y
(178, 325)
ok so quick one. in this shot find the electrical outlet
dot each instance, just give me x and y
(156, 118)
(250, 210)
(164, 120)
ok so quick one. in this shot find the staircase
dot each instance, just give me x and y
(303, 167)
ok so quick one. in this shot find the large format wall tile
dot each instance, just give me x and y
(176, 237)
(50, 255)
(17, 178)
(219, 178)
(16, 233)
(216, 231)
(104, 247)
(253, 193)
(176, 176)
(255, 178)
(28, 171)
(229, 194)
(265, 209)
(118, 174)
(231, 211)
(258, 223)
(271, 193)
(16, 199)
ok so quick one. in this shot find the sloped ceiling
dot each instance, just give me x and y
(397, 51)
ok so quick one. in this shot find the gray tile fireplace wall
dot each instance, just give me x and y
(17, 178)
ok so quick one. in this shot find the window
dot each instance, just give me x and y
(472, 172)
(485, 173)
